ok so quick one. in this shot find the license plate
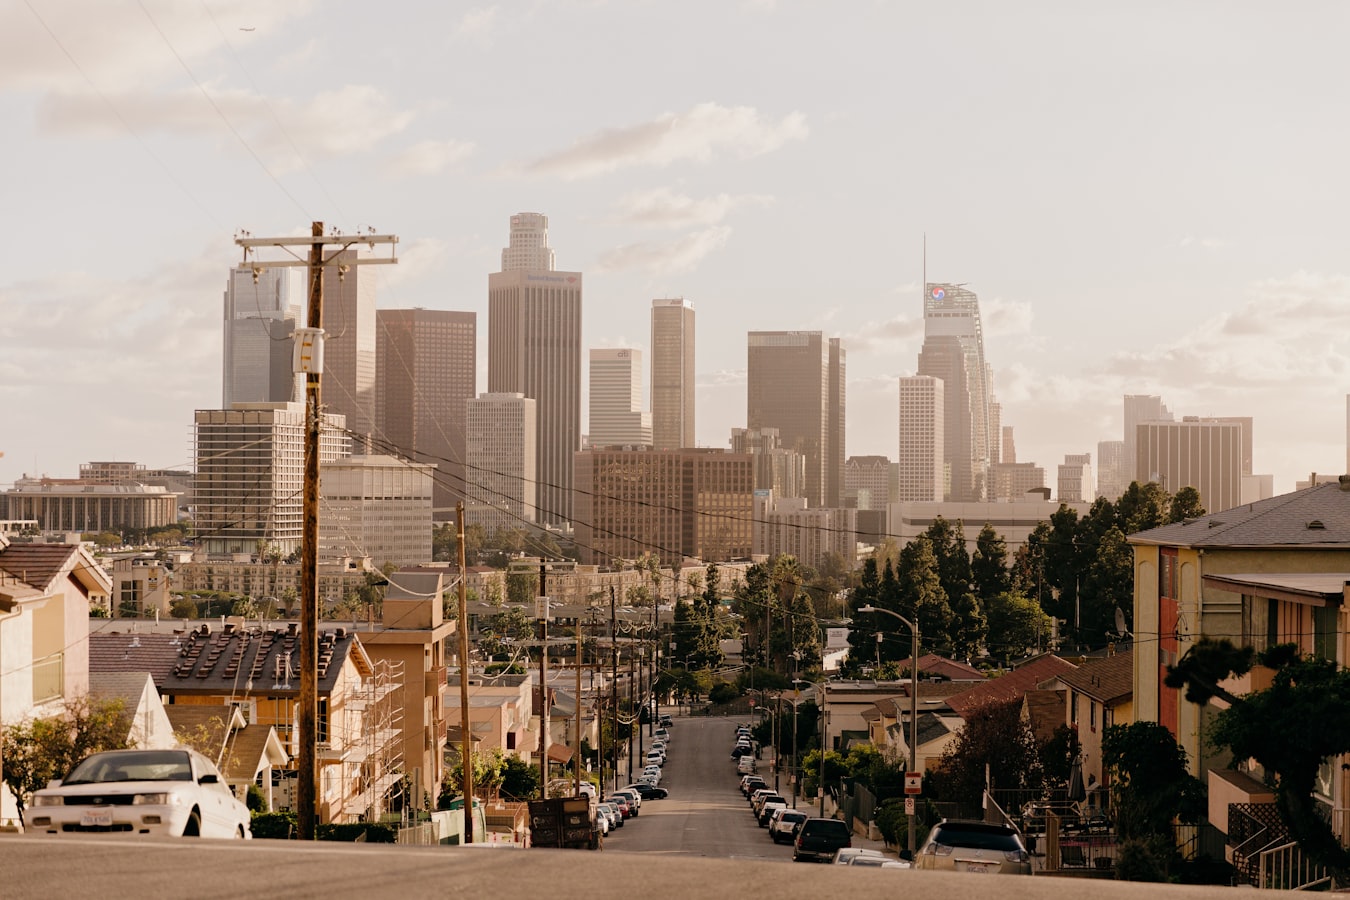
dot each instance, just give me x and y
(979, 869)
(97, 818)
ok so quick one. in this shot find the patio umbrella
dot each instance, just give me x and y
(1076, 791)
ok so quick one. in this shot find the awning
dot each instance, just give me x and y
(1308, 588)
(559, 753)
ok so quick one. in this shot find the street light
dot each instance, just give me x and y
(913, 704)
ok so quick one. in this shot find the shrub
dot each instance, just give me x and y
(722, 692)
(1141, 859)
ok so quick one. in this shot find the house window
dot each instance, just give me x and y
(1324, 631)
(1092, 715)
(322, 724)
(1073, 707)
(510, 740)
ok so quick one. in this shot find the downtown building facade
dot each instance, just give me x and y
(377, 507)
(428, 364)
(867, 482)
(250, 462)
(1111, 474)
(672, 374)
(1075, 483)
(534, 348)
(616, 416)
(922, 461)
(1206, 454)
(260, 318)
(349, 350)
(693, 503)
(73, 505)
(500, 461)
(796, 384)
(953, 351)
(777, 468)
(788, 525)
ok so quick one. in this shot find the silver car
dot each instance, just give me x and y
(974, 846)
(153, 792)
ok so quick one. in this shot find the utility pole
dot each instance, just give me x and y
(614, 683)
(466, 737)
(541, 612)
(576, 760)
(309, 360)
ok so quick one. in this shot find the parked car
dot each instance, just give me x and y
(648, 791)
(766, 810)
(154, 792)
(877, 862)
(652, 772)
(621, 803)
(751, 783)
(974, 846)
(819, 839)
(663, 733)
(611, 814)
(843, 855)
(771, 797)
(666, 721)
(633, 797)
(780, 828)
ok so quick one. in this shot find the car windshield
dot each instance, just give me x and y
(133, 765)
(975, 836)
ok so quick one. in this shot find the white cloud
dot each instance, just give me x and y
(665, 258)
(721, 378)
(115, 46)
(696, 135)
(664, 207)
(430, 157)
(1207, 243)
(417, 261)
(477, 25)
(1006, 317)
(888, 336)
(351, 119)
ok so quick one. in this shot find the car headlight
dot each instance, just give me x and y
(164, 798)
(48, 800)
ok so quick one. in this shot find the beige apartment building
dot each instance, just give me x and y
(672, 374)
(378, 507)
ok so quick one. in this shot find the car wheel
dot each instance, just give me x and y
(193, 828)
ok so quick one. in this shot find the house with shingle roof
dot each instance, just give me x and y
(258, 670)
(1274, 571)
(246, 754)
(1011, 685)
(46, 591)
(1097, 695)
(142, 714)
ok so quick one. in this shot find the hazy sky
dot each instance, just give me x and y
(1148, 198)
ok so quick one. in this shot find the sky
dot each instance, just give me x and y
(1148, 198)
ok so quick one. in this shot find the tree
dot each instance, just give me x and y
(948, 541)
(519, 779)
(522, 587)
(1107, 586)
(806, 647)
(922, 599)
(995, 739)
(1150, 784)
(969, 626)
(1016, 625)
(753, 601)
(1185, 505)
(42, 749)
(862, 633)
(989, 564)
(1291, 728)
(1141, 507)
(487, 775)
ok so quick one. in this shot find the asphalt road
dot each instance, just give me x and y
(705, 814)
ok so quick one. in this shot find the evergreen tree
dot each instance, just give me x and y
(953, 560)
(969, 627)
(1108, 585)
(862, 633)
(1185, 505)
(753, 601)
(1141, 507)
(989, 564)
(922, 599)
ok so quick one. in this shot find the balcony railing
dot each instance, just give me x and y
(49, 678)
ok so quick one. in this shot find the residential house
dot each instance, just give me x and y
(257, 669)
(1269, 572)
(46, 592)
(247, 755)
(501, 712)
(1097, 695)
(1011, 685)
(142, 715)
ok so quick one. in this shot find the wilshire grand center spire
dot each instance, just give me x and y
(953, 350)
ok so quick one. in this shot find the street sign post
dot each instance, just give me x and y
(913, 783)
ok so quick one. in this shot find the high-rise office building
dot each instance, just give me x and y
(672, 374)
(923, 409)
(795, 383)
(1008, 452)
(616, 416)
(867, 482)
(1075, 484)
(777, 468)
(953, 350)
(1011, 482)
(691, 503)
(376, 506)
(428, 363)
(500, 456)
(534, 348)
(260, 320)
(349, 342)
(1111, 478)
(250, 473)
(1205, 455)
(784, 525)
(1139, 408)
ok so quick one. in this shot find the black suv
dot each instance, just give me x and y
(818, 839)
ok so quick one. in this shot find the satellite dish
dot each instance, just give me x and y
(1121, 628)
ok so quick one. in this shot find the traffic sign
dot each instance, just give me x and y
(909, 806)
(913, 783)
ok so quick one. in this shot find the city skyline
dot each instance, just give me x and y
(1140, 210)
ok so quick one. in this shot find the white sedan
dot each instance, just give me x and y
(156, 792)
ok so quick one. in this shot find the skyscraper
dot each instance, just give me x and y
(534, 348)
(260, 318)
(1075, 484)
(923, 407)
(349, 342)
(501, 469)
(867, 482)
(1204, 454)
(1112, 478)
(953, 350)
(616, 416)
(428, 364)
(672, 374)
(1139, 408)
(795, 383)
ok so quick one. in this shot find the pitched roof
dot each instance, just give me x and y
(1110, 679)
(1011, 685)
(1318, 516)
(951, 669)
(41, 565)
(235, 661)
